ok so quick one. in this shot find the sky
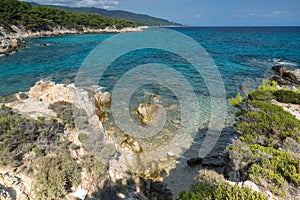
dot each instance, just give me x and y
(204, 12)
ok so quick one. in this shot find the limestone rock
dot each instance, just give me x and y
(147, 112)
(105, 99)
(80, 193)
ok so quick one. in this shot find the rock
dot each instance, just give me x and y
(43, 44)
(131, 144)
(279, 70)
(105, 99)
(4, 194)
(292, 76)
(23, 196)
(171, 154)
(147, 111)
(248, 184)
(194, 162)
(213, 161)
(22, 96)
(278, 80)
(80, 193)
(251, 186)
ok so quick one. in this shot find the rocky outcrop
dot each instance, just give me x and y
(9, 41)
(11, 37)
(286, 76)
(147, 111)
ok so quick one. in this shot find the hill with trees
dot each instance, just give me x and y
(44, 18)
(140, 19)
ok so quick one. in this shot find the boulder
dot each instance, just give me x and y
(279, 70)
(278, 80)
(292, 76)
(105, 99)
(147, 111)
(194, 162)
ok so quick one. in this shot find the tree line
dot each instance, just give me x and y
(38, 18)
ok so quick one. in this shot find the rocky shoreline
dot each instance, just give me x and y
(12, 38)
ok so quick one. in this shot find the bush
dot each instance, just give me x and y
(82, 137)
(94, 166)
(224, 191)
(261, 95)
(237, 100)
(268, 86)
(19, 134)
(55, 177)
(267, 166)
(267, 124)
(37, 151)
(70, 115)
(287, 96)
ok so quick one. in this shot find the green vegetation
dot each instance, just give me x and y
(82, 137)
(70, 114)
(55, 177)
(267, 125)
(268, 91)
(211, 187)
(267, 151)
(235, 101)
(18, 135)
(94, 166)
(37, 18)
(221, 192)
(287, 96)
(140, 19)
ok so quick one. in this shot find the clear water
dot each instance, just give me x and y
(242, 55)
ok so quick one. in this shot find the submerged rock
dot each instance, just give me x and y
(147, 111)
(194, 162)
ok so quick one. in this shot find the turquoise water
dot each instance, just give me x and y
(242, 55)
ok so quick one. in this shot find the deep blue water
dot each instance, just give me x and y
(243, 55)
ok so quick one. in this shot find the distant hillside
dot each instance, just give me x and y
(140, 19)
(43, 18)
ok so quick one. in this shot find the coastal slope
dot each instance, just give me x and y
(22, 19)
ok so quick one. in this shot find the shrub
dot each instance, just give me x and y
(235, 101)
(94, 166)
(19, 134)
(267, 124)
(261, 95)
(55, 177)
(82, 137)
(268, 167)
(287, 96)
(70, 115)
(223, 191)
(268, 86)
(37, 151)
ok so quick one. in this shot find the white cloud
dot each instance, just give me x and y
(262, 13)
(107, 4)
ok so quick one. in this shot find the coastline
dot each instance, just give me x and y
(12, 41)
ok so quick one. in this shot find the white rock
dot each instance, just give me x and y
(80, 193)
(171, 154)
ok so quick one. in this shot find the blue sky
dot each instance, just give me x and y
(204, 12)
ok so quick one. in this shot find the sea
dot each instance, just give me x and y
(243, 56)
